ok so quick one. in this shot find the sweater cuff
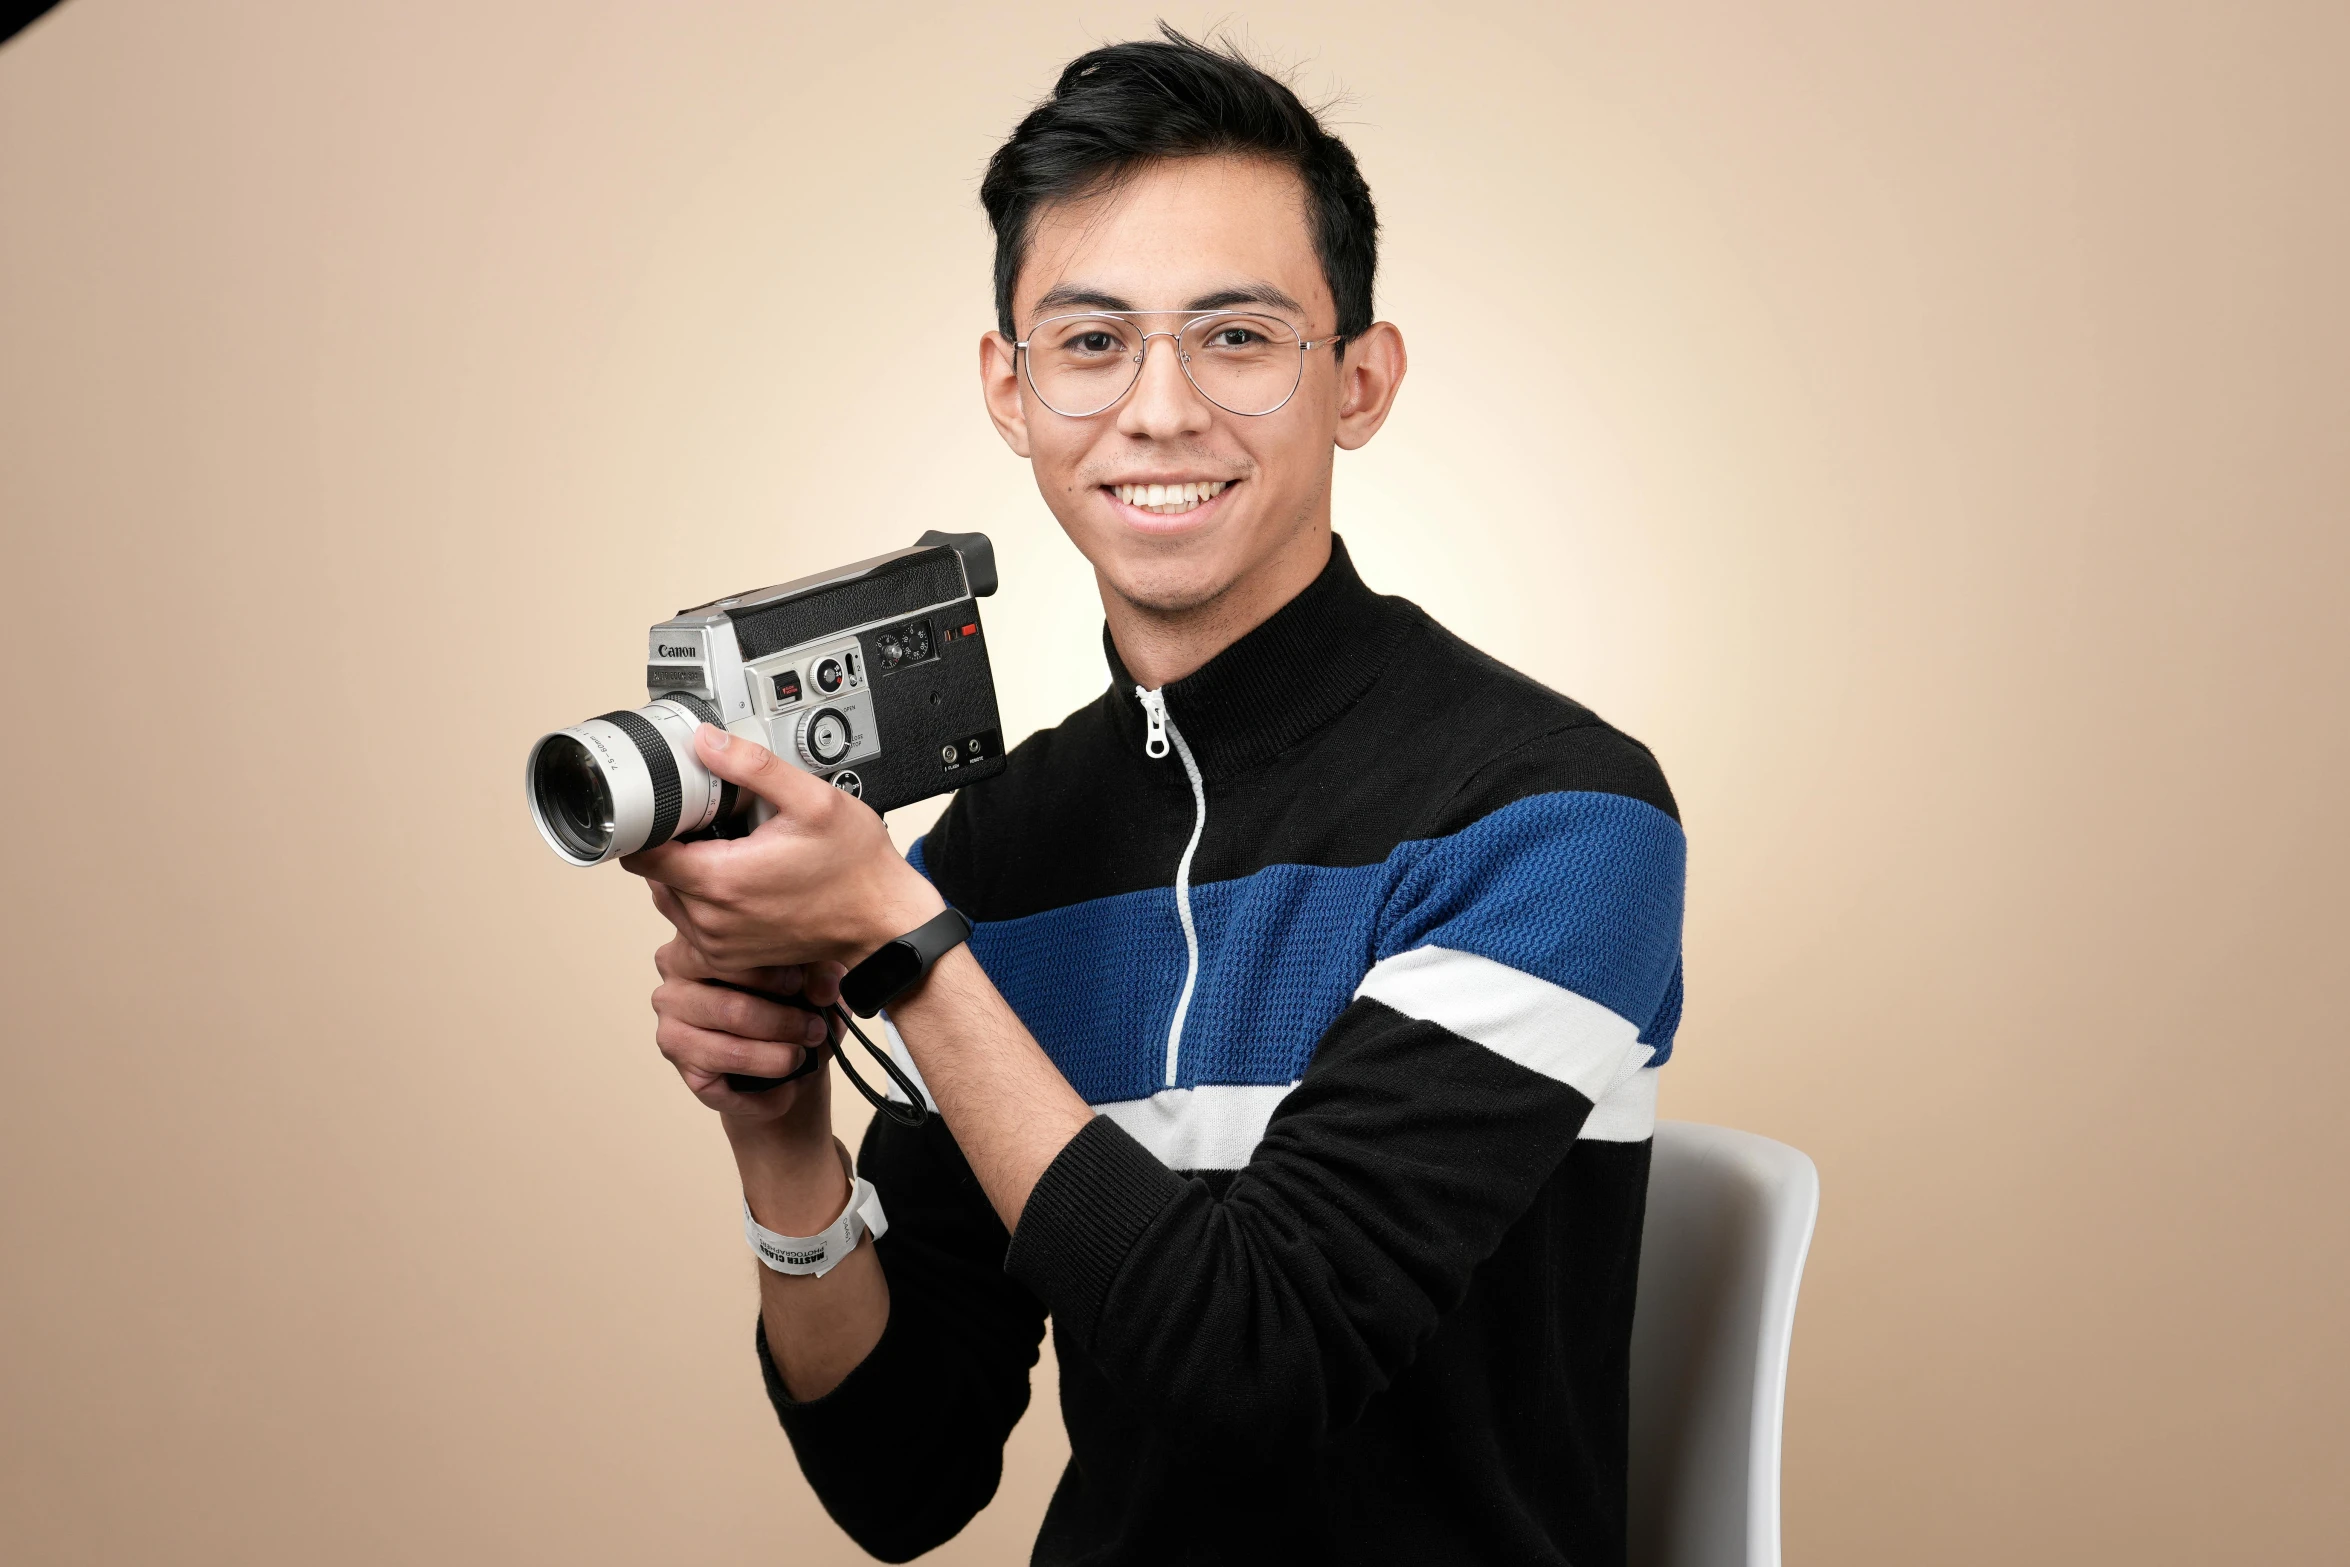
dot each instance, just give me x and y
(1102, 1190)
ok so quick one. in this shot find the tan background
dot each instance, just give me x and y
(1924, 424)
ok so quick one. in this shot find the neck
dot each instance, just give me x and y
(1161, 646)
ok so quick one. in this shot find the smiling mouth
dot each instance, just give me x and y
(1169, 500)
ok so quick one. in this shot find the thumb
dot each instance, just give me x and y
(752, 766)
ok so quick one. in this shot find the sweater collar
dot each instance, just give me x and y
(1309, 662)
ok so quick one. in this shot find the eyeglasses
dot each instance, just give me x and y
(1244, 363)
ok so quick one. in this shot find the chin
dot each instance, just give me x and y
(1170, 587)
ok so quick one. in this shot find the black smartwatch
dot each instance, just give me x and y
(902, 964)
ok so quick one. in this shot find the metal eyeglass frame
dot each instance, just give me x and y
(1305, 346)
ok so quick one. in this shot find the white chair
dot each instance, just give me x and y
(1730, 1218)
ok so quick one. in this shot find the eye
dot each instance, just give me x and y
(1094, 343)
(1235, 337)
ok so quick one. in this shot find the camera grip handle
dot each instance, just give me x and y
(743, 1082)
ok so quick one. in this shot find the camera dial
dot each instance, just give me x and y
(829, 675)
(825, 737)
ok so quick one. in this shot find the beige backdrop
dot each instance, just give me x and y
(1924, 424)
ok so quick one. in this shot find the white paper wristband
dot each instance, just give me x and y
(817, 1255)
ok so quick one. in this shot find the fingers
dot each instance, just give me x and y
(710, 871)
(752, 766)
(698, 878)
(698, 867)
(693, 922)
(708, 1032)
(713, 1090)
(679, 959)
(724, 1011)
(671, 863)
(712, 1054)
(822, 982)
(764, 1104)
(671, 908)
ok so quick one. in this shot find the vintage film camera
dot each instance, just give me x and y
(873, 677)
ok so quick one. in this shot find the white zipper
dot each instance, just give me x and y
(1162, 730)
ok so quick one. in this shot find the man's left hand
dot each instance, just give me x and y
(817, 882)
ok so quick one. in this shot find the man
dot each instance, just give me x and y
(1300, 1064)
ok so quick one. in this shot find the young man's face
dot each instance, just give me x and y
(1191, 234)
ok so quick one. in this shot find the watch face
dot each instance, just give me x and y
(900, 965)
(884, 974)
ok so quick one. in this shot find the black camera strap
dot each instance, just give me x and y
(909, 1112)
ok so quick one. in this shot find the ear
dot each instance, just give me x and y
(999, 387)
(1368, 378)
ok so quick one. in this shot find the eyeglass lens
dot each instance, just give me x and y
(1244, 364)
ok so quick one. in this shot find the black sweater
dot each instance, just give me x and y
(1369, 973)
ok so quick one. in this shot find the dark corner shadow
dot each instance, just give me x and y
(17, 15)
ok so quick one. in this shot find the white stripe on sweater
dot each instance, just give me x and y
(1627, 1115)
(1543, 1027)
(1218, 1126)
(1215, 1126)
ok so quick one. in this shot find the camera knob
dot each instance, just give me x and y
(825, 738)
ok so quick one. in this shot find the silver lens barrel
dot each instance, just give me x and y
(623, 782)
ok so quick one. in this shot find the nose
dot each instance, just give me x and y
(1164, 404)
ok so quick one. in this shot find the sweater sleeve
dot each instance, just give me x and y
(909, 1447)
(1521, 952)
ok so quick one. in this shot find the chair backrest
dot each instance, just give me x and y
(1730, 1218)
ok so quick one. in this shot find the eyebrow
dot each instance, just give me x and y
(1078, 296)
(1065, 294)
(1248, 294)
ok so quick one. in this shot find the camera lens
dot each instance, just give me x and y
(625, 781)
(573, 799)
(829, 676)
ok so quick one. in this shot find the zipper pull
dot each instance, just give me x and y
(1154, 710)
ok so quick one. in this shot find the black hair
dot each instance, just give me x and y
(1125, 105)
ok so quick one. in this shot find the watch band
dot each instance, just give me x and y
(817, 1255)
(902, 964)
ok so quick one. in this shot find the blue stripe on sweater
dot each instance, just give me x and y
(1583, 890)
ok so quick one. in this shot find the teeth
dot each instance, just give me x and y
(1170, 500)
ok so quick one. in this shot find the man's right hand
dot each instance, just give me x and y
(707, 1032)
(794, 1179)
